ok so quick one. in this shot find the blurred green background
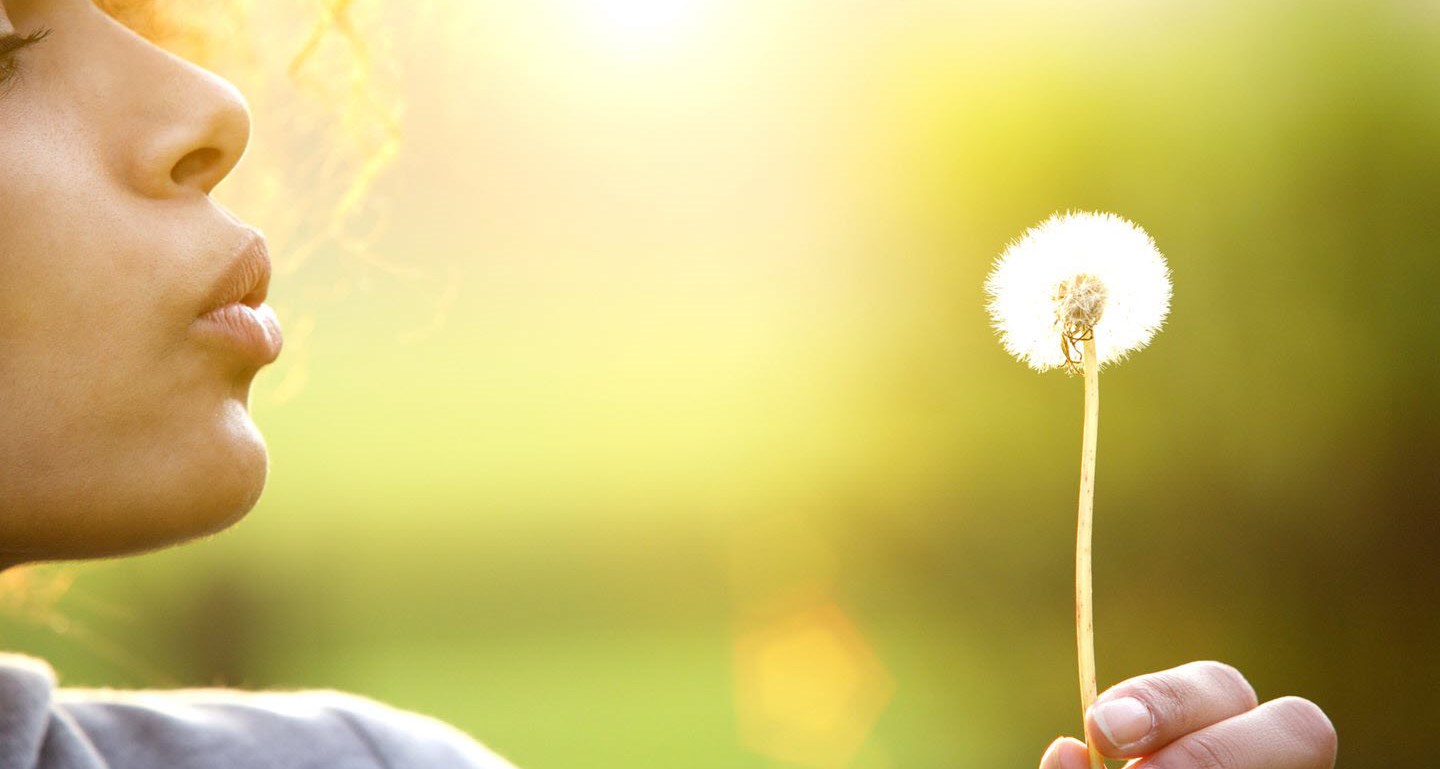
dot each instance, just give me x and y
(645, 411)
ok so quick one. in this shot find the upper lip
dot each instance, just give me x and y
(246, 278)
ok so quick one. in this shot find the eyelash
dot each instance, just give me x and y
(10, 47)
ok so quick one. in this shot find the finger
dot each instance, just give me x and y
(1146, 713)
(1288, 733)
(1066, 753)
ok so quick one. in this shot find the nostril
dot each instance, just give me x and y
(196, 167)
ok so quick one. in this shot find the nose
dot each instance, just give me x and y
(197, 124)
(219, 136)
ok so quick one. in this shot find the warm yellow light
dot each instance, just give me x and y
(642, 24)
(809, 689)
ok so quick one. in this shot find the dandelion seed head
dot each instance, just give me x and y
(1073, 275)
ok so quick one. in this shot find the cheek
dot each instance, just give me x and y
(94, 467)
(84, 344)
(119, 433)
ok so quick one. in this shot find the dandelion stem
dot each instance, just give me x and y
(1084, 610)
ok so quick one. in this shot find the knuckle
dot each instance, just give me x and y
(1163, 693)
(1177, 695)
(1230, 679)
(1206, 751)
(1310, 726)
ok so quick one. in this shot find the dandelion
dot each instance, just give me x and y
(1077, 272)
(1078, 291)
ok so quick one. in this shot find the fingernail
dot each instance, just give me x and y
(1124, 722)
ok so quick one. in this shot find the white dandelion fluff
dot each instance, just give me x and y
(1073, 275)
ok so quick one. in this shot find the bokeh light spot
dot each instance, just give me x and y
(809, 688)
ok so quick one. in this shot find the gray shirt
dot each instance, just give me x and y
(42, 727)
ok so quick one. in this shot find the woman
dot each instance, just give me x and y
(132, 321)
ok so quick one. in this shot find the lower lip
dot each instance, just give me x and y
(254, 332)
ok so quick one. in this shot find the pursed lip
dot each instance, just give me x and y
(246, 279)
(235, 314)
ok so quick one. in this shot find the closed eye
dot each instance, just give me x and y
(10, 47)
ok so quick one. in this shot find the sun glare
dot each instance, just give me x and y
(639, 25)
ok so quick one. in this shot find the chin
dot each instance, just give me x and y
(136, 498)
(206, 488)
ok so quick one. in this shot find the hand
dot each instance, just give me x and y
(1203, 715)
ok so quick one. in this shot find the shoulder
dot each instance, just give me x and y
(299, 729)
(212, 728)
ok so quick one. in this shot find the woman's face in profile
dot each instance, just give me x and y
(123, 389)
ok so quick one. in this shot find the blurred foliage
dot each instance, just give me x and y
(672, 336)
